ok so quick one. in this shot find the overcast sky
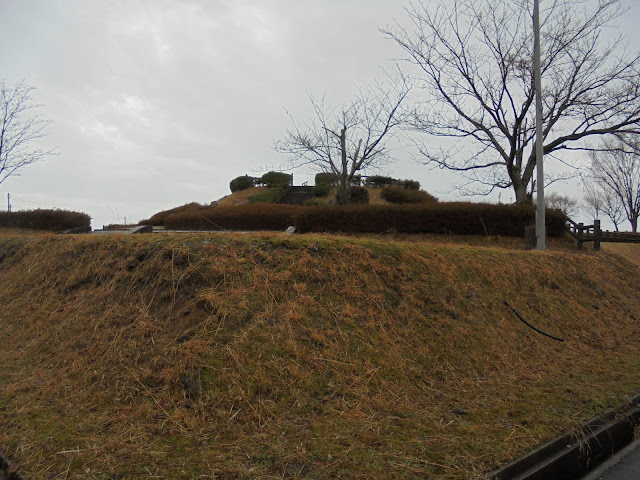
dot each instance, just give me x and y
(157, 103)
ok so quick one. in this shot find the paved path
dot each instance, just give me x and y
(624, 465)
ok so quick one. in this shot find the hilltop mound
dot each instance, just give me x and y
(272, 356)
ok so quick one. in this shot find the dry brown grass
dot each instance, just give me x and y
(241, 197)
(630, 251)
(273, 356)
(13, 232)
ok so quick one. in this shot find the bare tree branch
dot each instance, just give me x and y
(474, 60)
(18, 130)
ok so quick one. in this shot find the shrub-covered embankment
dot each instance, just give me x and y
(458, 218)
(272, 356)
(45, 219)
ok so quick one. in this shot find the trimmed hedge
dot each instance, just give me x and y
(276, 179)
(456, 218)
(328, 178)
(378, 181)
(242, 183)
(241, 217)
(53, 220)
(159, 218)
(402, 195)
(409, 184)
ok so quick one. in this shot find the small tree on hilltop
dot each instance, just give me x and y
(568, 205)
(347, 139)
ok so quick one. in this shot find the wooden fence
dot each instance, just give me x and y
(593, 233)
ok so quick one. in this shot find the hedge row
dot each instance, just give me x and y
(51, 220)
(455, 218)
(404, 195)
(240, 217)
(159, 218)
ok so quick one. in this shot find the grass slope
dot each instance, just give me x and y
(272, 356)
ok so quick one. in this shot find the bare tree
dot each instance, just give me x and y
(616, 171)
(565, 203)
(593, 202)
(348, 139)
(20, 126)
(474, 60)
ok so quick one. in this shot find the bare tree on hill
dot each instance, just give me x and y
(565, 203)
(19, 128)
(616, 172)
(350, 138)
(474, 61)
(597, 201)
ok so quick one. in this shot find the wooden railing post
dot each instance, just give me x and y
(597, 235)
(580, 235)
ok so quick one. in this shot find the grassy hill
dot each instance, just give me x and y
(272, 356)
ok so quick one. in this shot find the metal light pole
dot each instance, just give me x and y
(541, 232)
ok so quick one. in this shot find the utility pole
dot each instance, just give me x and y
(8, 202)
(541, 232)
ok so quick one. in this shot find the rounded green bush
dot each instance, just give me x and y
(276, 179)
(328, 178)
(357, 195)
(242, 183)
(322, 189)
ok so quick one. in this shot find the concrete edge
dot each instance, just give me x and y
(612, 461)
(577, 453)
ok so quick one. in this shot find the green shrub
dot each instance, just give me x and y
(322, 189)
(455, 218)
(378, 181)
(242, 183)
(240, 217)
(270, 195)
(401, 195)
(328, 178)
(359, 195)
(52, 220)
(276, 179)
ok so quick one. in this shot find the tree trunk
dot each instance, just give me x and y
(343, 191)
(521, 193)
